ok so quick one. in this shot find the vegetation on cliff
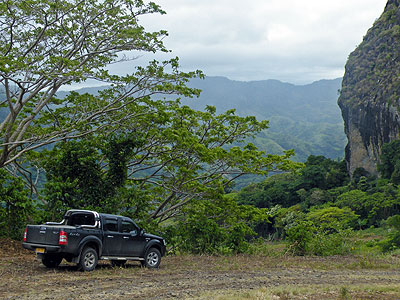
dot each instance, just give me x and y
(372, 71)
(370, 94)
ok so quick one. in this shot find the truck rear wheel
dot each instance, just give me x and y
(51, 260)
(88, 260)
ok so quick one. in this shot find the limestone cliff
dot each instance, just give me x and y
(370, 94)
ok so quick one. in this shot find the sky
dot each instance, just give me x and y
(289, 40)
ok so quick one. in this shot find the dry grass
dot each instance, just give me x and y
(316, 292)
(203, 277)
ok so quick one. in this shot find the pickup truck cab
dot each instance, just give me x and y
(85, 236)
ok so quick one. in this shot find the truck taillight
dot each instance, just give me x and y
(26, 230)
(63, 240)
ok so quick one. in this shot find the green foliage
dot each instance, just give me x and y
(338, 243)
(46, 45)
(372, 208)
(308, 238)
(333, 219)
(171, 152)
(394, 221)
(299, 237)
(16, 208)
(74, 177)
(323, 191)
(274, 190)
(308, 187)
(218, 225)
(372, 69)
(390, 161)
(393, 241)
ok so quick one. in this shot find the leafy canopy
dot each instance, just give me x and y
(45, 45)
(171, 153)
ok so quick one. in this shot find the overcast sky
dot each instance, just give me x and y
(289, 40)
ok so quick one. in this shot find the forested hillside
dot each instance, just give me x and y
(305, 118)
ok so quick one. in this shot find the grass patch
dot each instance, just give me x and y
(264, 247)
(327, 292)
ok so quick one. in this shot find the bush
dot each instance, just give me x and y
(215, 226)
(393, 242)
(15, 206)
(306, 238)
(333, 219)
(323, 244)
(299, 237)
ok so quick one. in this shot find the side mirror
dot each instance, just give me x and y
(142, 231)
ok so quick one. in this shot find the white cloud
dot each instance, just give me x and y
(289, 40)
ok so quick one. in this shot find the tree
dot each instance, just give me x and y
(142, 142)
(74, 177)
(173, 154)
(47, 44)
(389, 159)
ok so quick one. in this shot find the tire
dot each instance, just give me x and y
(152, 259)
(88, 260)
(118, 263)
(52, 261)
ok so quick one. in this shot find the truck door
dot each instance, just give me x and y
(112, 237)
(132, 242)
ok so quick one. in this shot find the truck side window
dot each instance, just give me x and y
(127, 226)
(111, 225)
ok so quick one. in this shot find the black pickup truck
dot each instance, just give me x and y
(85, 236)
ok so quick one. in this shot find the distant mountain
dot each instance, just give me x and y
(305, 118)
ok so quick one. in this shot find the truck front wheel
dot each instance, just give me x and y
(152, 259)
(88, 260)
(51, 260)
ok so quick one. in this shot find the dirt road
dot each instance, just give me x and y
(204, 277)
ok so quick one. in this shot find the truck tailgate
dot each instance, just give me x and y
(43, 234)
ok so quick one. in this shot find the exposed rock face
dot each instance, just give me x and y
(370, 94)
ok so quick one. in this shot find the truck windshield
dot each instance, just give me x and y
(81, 219)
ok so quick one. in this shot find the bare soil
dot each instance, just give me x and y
(202, 277)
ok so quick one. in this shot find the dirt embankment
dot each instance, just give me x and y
(202, 277)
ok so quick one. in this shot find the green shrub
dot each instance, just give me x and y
(215, 226)
(307, 238)
(333, 219)
(394, 221)
(299, 237)
(392, 243)
(15, 206)
(323, 244)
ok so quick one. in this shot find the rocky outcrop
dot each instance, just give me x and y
(370, 94)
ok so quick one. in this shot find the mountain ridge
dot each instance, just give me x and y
(301, 117)
(292, 110)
